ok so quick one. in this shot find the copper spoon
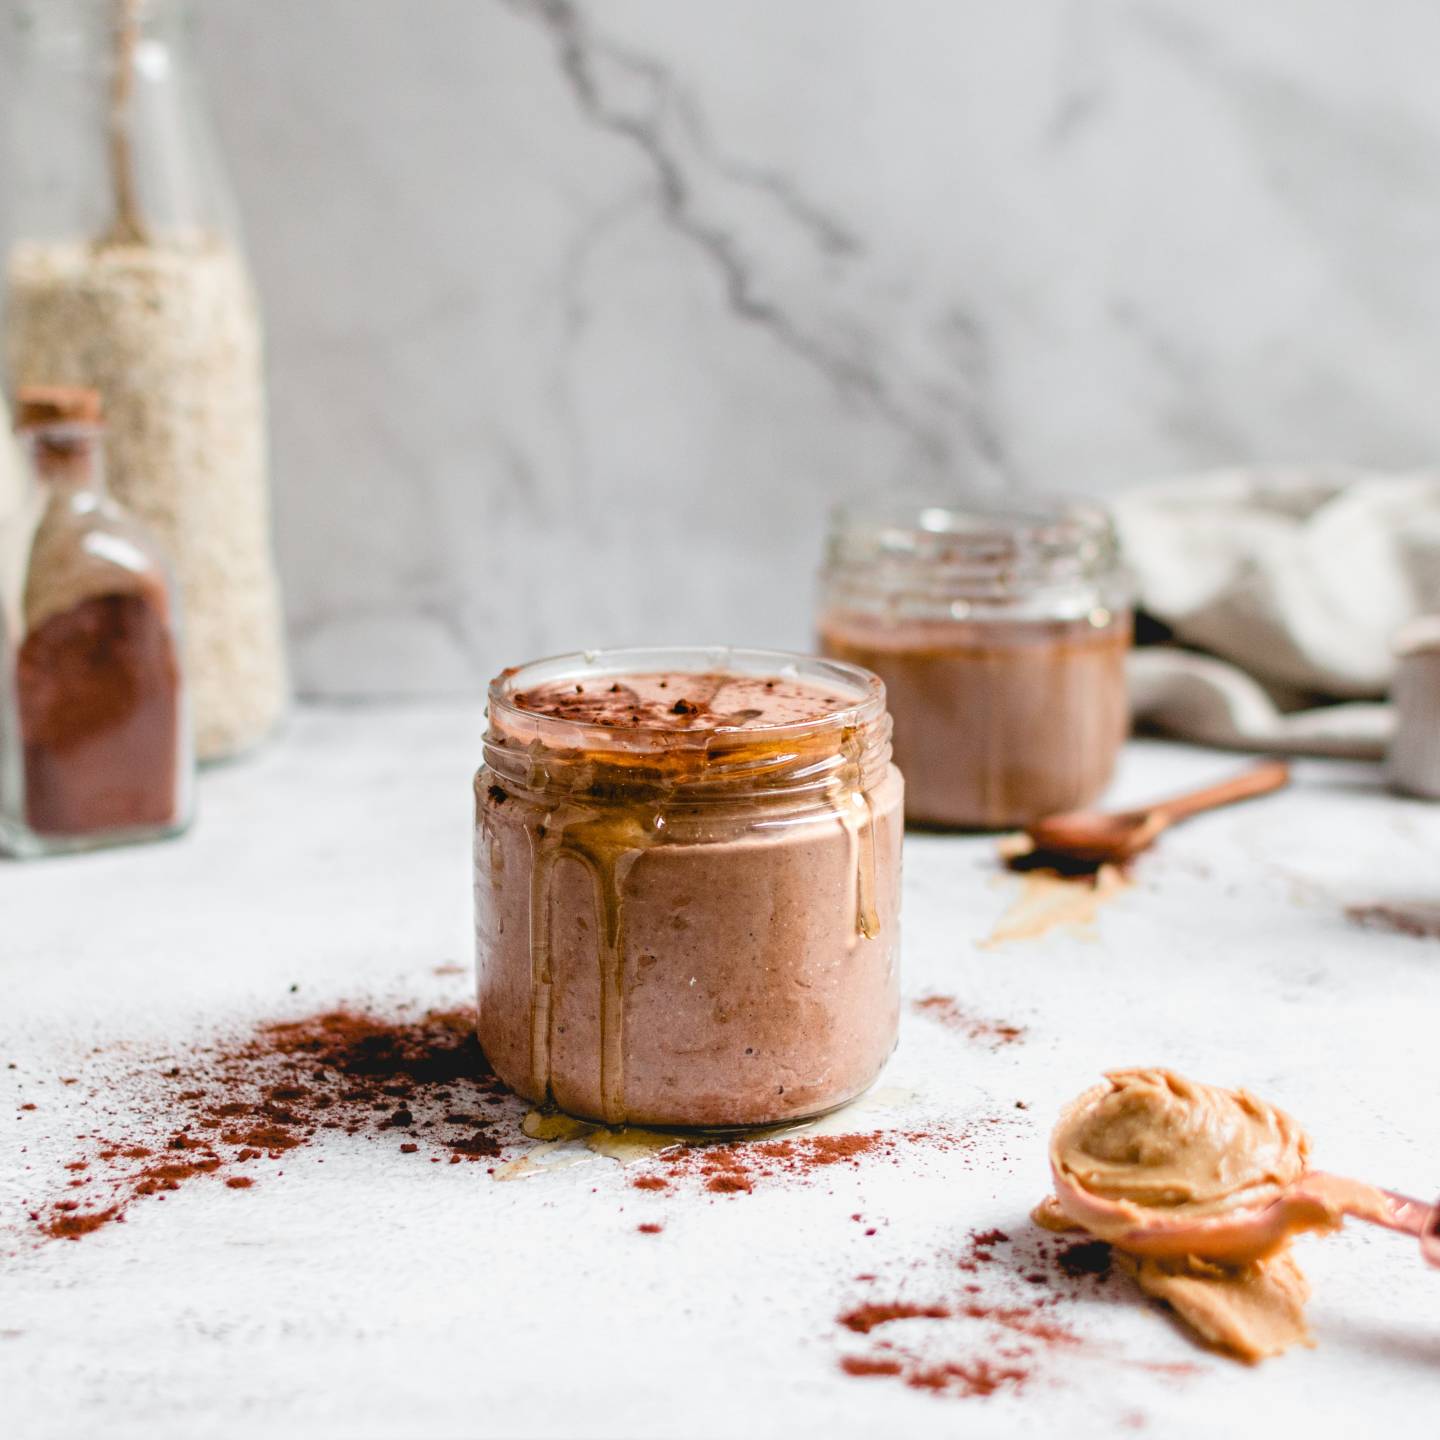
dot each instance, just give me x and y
(1316, 1201)
(1100, 839)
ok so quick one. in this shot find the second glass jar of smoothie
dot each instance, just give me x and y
(1001, 634)
(687, 896)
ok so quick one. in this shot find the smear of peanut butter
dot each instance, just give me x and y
(1048, 901)
(1251, 1312)
(1152, 1148)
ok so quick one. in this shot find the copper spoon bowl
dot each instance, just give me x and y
(1316, 1201)
(1093, 837)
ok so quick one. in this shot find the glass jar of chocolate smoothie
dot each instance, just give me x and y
(1001, 634)
(687, 871)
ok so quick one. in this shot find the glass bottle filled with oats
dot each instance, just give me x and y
(125, 273)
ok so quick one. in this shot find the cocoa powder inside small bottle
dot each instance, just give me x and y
(97, 675)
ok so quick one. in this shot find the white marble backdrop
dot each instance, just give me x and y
(582, 314)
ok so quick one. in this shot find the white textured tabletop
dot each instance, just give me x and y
(355, 1289)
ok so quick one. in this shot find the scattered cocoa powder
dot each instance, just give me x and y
(948, 1011)
(1023, 1319)
(979, 1249)
(276, 1088)
(1419, 919)
(729, 1184)
(864, 1318)
(976, 1377)
(71, 1227)
(734, 1167)
(1085, 1257)
(869, 1365)
(993, 1332)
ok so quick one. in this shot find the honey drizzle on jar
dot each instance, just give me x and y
(856, 814)
(607, 845)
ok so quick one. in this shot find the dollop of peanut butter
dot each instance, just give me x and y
(1150, 1148)
(1152, 1140)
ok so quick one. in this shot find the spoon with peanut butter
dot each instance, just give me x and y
(1094, 838)
(1159, 1165)
(1200, 1190)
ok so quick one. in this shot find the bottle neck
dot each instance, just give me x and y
(103, 22)
(66, 460)
(111, 141)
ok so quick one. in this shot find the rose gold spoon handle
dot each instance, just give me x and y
(1259, 780)
(1338, 1195)
(1314, 1202)
(1099, 838)
(1410, 1217)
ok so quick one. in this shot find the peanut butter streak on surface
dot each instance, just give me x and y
(1048, 901)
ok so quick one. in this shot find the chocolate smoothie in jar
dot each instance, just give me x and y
(1001, 634)
(687, 885)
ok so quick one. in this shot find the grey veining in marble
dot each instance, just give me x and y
(583, 313)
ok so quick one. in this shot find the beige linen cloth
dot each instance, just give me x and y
(1292, 583)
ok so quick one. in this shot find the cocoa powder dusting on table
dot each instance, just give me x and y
(865, 1365)
(947, 1011)
(1085, 1257)
(735, 1167)
(1419, 919)
(989, 1330)
(979, 1249)
(274, 1089)
(864, 1318)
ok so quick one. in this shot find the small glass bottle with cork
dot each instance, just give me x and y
(93, 714)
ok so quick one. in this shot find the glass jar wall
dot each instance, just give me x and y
(687, 885)
(1001, 635)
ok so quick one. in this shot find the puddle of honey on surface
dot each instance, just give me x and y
(1050, 901)
(567, 1141)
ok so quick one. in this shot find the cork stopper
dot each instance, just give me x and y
(38, 406)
